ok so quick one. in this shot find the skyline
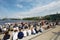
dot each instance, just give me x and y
(28, 8)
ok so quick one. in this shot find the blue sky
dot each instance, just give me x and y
(28, 8)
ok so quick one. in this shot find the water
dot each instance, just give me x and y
(2, 22)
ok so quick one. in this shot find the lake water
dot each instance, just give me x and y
(2, 22)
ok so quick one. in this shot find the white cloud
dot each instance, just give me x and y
(19, 5)
(25, 0)
(46, 7)
(38, 9)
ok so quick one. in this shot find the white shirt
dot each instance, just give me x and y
(15, 34)
(17, 28)
(25, 33)
(34, 31)
(29, 32)
(4, 29)
(8, 39)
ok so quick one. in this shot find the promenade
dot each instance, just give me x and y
(53, 34)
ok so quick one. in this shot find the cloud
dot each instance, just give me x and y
(29, 8)
(37, 10)
(19, 5)
(49, 6)
(26, 0)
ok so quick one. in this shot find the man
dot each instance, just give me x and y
(20, 34)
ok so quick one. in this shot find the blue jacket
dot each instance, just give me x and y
(20, 35)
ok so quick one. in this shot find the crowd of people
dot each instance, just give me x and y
(23, 29)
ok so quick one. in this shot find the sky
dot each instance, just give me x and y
(28, 8)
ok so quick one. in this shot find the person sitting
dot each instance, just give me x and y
(36, 29)
(29, 31)
(6, 36)
(33, 31)
(0, 30)
(4, 29)
(24, 32)
(15, 34)
(20, 34)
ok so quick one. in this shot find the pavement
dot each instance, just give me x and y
(53, 34)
